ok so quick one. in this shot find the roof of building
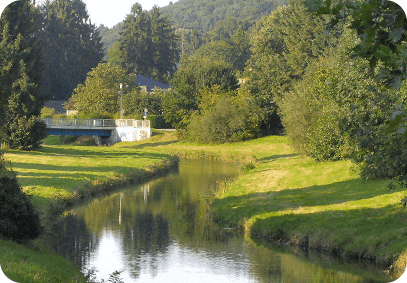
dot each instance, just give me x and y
(150, 83)
(57, 105)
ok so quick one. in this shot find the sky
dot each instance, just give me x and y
(109, 12)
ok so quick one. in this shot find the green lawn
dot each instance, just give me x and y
(322, 205)
(56, 171)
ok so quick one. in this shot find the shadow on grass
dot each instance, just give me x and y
(275, 157)
(247, 206)
(153, 144)
(379, 233)
(91, 152)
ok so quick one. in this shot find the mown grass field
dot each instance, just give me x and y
(280, 196)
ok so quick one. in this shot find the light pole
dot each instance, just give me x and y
(121, 101)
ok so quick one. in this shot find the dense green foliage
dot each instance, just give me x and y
(100, 96)
(71, 43)
(18, 219)
(109, 37)
(204, 14)
(149, 44)
(21, 69)
(223, 116)
(195, 74)
(135, 104)
(381, 25)
(283, 45)
(326, 113)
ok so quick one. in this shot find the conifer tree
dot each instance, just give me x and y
(72, 44)
(149, 44)
(21, 69)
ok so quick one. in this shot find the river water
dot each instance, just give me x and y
(160, 232)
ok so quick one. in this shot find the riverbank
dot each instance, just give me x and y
(292, 200)
(60, 176)
(279, 197)
(286, 198)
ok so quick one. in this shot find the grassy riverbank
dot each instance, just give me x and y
(294, 200)
(56, 176)
(285, 197)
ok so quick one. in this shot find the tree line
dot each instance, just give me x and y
(324, 75)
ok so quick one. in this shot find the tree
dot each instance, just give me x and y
(235, 50)
(72, 44)
(283, 45)
(116, 55)
(189, 41)
(149, 44)
(381, 25)
(194, 74)
(21, 68)
(223, 116)
(100, 95)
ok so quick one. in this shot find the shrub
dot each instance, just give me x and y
(223, 118)
(47, 112)
(25, 134)
(18, 218)
(158, 122)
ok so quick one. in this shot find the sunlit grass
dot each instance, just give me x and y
(286, 196)
(55, 170)
(295, 199)
(22, 264)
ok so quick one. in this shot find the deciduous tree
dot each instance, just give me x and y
(99, 96)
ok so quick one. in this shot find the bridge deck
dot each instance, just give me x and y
(105, 124)
(91, 127)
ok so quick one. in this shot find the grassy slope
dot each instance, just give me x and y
(26, 265)
(322, 205)
(58, 170)
(54, 172)
(286, 196)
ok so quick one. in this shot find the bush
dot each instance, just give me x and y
(223, 118)
(158, 122)
(47, 112)
(18, 218)
(25, 134)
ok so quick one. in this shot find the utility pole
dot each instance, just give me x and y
(121, 101)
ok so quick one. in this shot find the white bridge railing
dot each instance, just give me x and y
(55, 123)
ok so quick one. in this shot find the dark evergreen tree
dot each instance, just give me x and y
(72, 45)
(18, 218)
(149, 44)
(165, 49)
(135, 42)
(21, 69)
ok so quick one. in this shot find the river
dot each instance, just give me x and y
(160, 232)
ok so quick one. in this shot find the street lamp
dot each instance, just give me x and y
(121, 101)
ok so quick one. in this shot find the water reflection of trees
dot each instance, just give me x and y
(147, 220)
(72, 239)
(148, 235)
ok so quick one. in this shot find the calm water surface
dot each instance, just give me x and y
(160, 232)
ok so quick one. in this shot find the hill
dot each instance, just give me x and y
(204, 14)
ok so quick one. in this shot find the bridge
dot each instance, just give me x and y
(105, 131)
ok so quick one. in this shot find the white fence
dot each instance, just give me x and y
(53, 123)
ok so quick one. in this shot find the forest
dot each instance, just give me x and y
(329, 76)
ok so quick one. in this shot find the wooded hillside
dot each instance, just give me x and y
(204, 14)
